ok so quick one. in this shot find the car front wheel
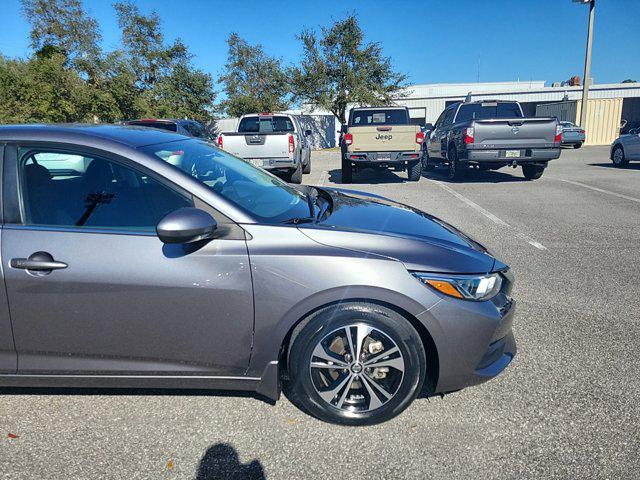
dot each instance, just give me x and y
(619, 159)
(356, 364)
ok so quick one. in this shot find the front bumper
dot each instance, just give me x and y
(474, 340)
(525, 155)
(383, 157)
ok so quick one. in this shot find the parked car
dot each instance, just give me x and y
(190, 128)
(626, 148)
(273, 141)
(572, 134)
(492, 134)
(123, 270)
(381, 137)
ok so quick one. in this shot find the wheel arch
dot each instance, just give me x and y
(431, 351)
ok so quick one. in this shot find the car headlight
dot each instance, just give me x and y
(467, 287)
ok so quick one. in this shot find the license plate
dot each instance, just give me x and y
(512, 153)
(256, 162)
(383, 158)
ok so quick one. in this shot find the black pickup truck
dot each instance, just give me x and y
(491, 134)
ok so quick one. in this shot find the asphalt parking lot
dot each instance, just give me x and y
(567, 407)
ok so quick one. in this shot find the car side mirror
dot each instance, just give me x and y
(429, 126)
(343, 129)
(308, 133)
(186, 225)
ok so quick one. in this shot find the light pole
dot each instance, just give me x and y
(587, 62)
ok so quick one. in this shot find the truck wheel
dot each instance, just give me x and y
(577, 145)
(427, 165)
(455, 169)
(618, 157)
(307, 167)
(347, 171)
(296, 175)
(532, 172)
(414, 170)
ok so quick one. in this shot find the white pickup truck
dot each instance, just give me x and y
(273, 141)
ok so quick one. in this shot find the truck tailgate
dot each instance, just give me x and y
(384, 138)
(514, 133)
(257, 145)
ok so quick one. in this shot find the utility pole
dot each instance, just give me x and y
(587, 63)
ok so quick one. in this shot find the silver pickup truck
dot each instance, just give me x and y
(491, 135)
(273, 141)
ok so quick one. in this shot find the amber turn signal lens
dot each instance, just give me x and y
(444, 287)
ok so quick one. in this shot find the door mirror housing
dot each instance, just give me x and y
(428, 126)
(343, 129)
(308, 133)
(186, 225)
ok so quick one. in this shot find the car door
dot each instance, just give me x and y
(632, 146)
(8, 358)
(91, 288)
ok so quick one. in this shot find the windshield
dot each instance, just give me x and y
(252, 189)
(265, 124)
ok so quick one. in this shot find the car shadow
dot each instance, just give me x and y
(474, 175)
(628, 166)
(221, 461)
(370, 176)
(174, 392)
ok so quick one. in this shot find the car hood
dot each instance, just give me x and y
(376, 225)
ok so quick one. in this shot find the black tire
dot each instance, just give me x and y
(577, 145)
(347, 171)
(414, 170)
(296, 175)
(427, 164)
(456, 171)
(301, 388)
(618, 157)
(532, 172)
(307, 168)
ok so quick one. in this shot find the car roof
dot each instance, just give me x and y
(129, 135)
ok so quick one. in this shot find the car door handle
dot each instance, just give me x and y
(38, 262)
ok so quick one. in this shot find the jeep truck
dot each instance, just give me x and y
(381, 137)
(492, 134)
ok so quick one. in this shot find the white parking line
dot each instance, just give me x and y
(608, 192)
(491, 216)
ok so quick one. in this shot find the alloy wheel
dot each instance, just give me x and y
(356, 368)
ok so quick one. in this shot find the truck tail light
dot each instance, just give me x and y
(582, 132)
(467, 135)
(420, 137)
(220, 142)
(558, 137)
(292, 144)
(348, 139)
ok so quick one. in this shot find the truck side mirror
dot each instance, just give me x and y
(428, 126)
(343, 129)
(307, 133)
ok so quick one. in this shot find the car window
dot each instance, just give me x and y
(484, 110)
(448, 117)
(197, 130)
(250, 188)
(73, 190)
(440, 118)
(379, 117)
(169, 126)
(265, 124)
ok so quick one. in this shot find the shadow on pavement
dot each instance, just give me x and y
(221, 461)
(173, 392)
(370, 176)
(628, 166)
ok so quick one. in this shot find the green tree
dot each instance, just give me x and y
(65, 25)
(252, 80)
(339, 69)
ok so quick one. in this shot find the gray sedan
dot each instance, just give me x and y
(626, 148)
(135, 257)
(572, 134)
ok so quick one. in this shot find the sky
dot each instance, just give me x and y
(433, 41)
